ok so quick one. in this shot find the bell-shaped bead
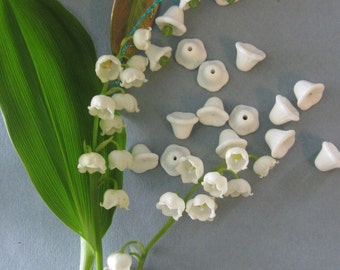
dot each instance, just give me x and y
(190, 53)
(212, 75)
(171, 158)
(308, 93)
(247, 56)
(182, 123)
(142, 159)
(213, 113)
(173, 17)
(279, 141)
(283, 111)
(155, 53)
(227, 140)
(244, 120)
(328, 157)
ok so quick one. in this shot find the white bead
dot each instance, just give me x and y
(182, 123)
(248, 56)
(229, 139)
(279, 141)
(308, 93)
(328, 157)
(190, 53)
(171, 157)
(154, 54)
(283, 111)
(213, 113)
(244, 120)
(142, 159)
(212, 75)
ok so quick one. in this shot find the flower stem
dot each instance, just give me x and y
(153, 241)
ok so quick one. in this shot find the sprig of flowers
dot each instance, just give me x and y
(125, 73)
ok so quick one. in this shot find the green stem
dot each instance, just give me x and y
(86, 255)
(153, 241)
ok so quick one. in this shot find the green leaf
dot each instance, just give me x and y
(127, 14)
(47, 80)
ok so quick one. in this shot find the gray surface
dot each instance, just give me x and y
(291, 222)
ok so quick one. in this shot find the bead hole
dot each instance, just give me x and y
(212, 71)
(189, 49)
(245, 117)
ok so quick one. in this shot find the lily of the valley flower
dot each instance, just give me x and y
(215, 184)
(109, 127)
(237, 159)
(103, 107)
(119, 261)
(91, 163)
(139, 62)
(157, 55)
(201, 207)
(132, 77)
(171, 205)
(125, 102)
(119, 159)
(262, 165)
(190, 168)
(141, 38)
(115, 198)
(108, 68)
(237, 187)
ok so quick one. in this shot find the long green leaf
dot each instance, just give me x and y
(47, 80)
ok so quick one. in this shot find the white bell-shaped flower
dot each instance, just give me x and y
(119, 261)
(103, 107)
(225, 2)
(171, 157)
(139, 62)
(263, 165)
(174, 18)
(237, 159)
(201, 207)
(229, 139)
(308, 93)
(108, 68)
(171, 205)
(283, 111)
(248, 56)
(141, 38)
(190, 53)
(125, 102)
(215, 184)
(155, 54)
(182, 123)
(115, 198)
(190, 168)
(328, 157)
(213, 113)
(237, 187)
(279, 141)
(91, 163)
(109, 127)
(119, 159)
(132, 77)
(143, 159)
(212, 75)
(244, 119)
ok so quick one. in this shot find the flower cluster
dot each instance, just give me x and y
(177, 160)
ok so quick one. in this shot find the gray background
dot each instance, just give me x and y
(293, 219)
